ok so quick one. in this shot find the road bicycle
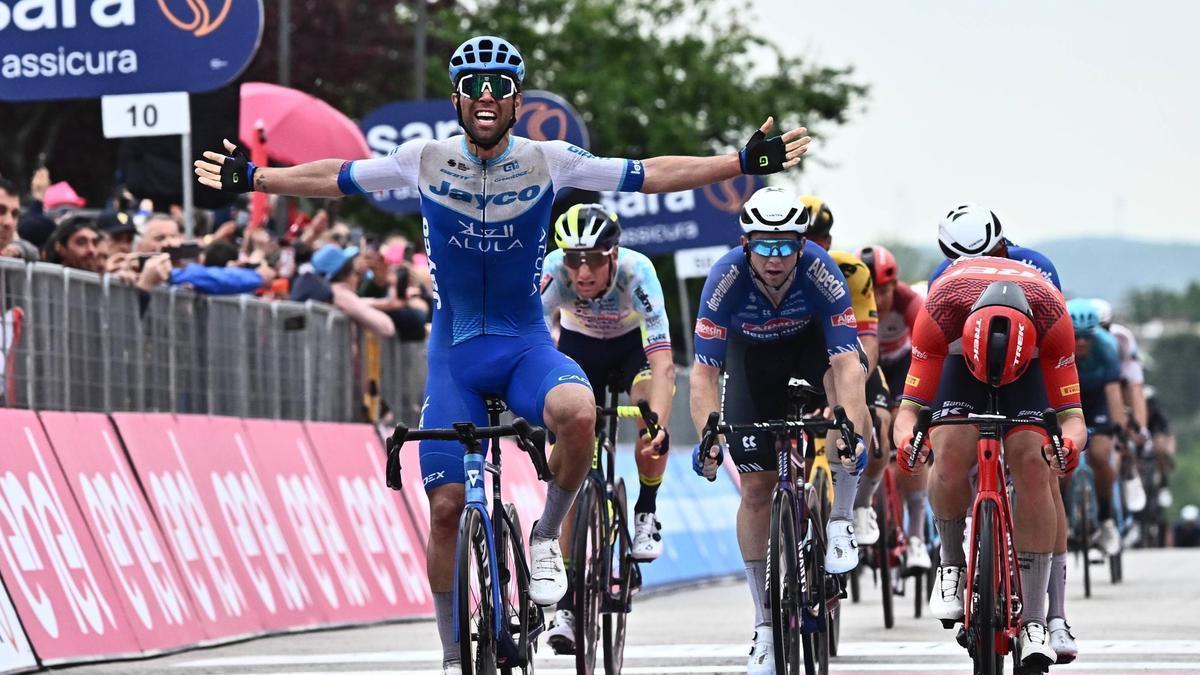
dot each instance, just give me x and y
(495, 621)
(604, 574)
(804, 599)
(993, 598)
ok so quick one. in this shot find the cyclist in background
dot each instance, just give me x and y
(609, 304)
(862, 299)
(898, 307)
(1100, 380)
(1163, 442)
(947, 376)
(774, 309)
(485, 205)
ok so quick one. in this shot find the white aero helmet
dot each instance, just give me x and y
(1104, 310)
(774, 209)
(969, 231)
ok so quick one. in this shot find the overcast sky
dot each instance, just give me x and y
(1065, 118)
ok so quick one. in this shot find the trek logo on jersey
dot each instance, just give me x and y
(829, 284)
(707, 330)
(1020, 344)
(1063, 362)
(481, 201)
(1069, 389)
(846, 318)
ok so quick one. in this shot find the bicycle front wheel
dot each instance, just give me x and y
(621, 584)
(883, 554)
(984, 623)
(587, 550)
(783, 585)
(519, 613)
(473, 591)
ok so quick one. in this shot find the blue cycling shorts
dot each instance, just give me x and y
(522, 370)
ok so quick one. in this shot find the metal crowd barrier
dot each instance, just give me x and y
(86, 345)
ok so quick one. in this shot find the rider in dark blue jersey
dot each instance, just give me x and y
(777, 308)
(485, 207)
(970, 231)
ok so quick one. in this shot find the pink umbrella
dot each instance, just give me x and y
(298, 127)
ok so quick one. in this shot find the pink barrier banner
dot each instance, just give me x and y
(150, 593)
(414, 489)
(218, 451)
(16, 656)
(383, 538)
(48, 560)
(519, 484)
(179, 490)
(298, 493)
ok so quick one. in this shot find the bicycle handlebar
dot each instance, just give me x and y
(642, 410)
(1048, 422)
(841, 422)
(530, 439)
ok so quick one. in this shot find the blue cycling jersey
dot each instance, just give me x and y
(1102, 364)
(1020, 254)
(485, 222)
(732, 304)
(485, 225)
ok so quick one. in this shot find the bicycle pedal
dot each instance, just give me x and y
(963, 638)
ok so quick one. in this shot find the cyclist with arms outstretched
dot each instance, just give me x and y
(776, 308)
(953, 328)
(605, 307)
(485, 211)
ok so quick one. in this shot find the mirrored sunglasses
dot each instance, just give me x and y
(474, 85)
(594, 259)
(773, 248)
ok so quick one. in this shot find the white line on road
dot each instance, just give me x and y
(1088, 649)
(1152, 666)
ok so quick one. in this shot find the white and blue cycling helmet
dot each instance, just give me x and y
(487, 53)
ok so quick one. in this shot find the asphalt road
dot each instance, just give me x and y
(1148, 623)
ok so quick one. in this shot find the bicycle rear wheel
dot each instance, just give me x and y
(883, 554)
(519, 611)
(984, 623)
(783, 585)
(621, 584)
(587, 550)
(1084, 495)
(473, 581)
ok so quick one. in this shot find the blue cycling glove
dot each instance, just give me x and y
(860, 463)
(698, 459)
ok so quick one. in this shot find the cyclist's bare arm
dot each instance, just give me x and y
(850, 386)
(704, 394)
(311, 179)
(870, 345)
(662, 384)
(1073, 426)
(1116, 405)
(1137, 403)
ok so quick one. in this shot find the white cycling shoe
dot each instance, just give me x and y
(762, 652)
(946, 596)
(561, 634)
(1135, 494)
(1062, 642)
(866, 526)
(916, 557)
(647, 537)
(841, 549)
(1108, 539)
(547, 575)
(1034, 646)
(451, 669)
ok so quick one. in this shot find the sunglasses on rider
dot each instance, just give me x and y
(474, 85)
(775, 248)
(594, 259)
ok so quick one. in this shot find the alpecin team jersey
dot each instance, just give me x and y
(895, 327)
(1020, 254)
(633, 300)
(732, 304)
(485, 222)
(938, 331)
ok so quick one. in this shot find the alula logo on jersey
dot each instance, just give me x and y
(480, 200)
(485, 238)
(54, 49)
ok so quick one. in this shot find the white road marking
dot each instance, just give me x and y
(1152, 666)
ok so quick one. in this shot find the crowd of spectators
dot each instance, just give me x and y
(383, 285)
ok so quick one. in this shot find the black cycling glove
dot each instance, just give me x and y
(237, 173)
(763, 155)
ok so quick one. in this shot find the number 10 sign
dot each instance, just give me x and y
(126, 115)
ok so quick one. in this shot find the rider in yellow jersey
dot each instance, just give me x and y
(862, 298)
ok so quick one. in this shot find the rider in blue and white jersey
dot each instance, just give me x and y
(485, 207)
(605, 307)
(777, 308)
